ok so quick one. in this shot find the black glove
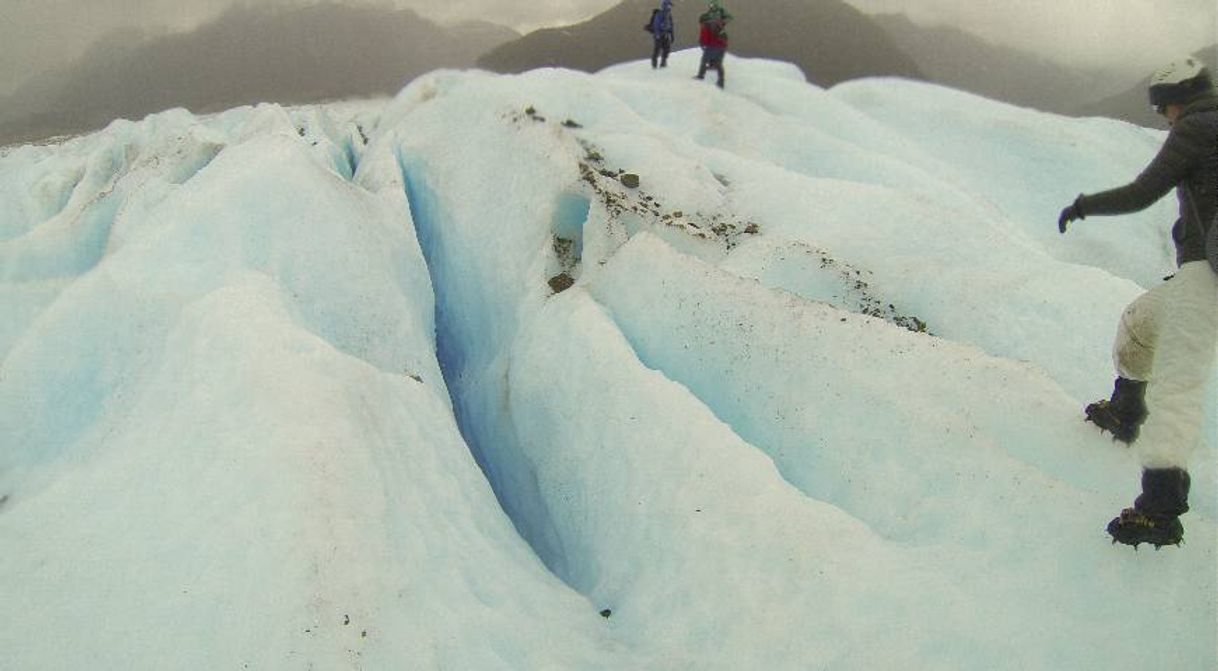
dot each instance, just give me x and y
(1071, 213)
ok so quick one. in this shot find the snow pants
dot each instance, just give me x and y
(712, 58)
(660, 51)
(1167, 338)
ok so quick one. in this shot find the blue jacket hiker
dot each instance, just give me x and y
(662, 34)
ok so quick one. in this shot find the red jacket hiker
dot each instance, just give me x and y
(713, 39)
(712, 34)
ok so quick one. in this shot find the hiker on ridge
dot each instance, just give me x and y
(713, 38)
(661, 30)
(1164, 349)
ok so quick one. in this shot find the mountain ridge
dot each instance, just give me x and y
(962, 60)
(247, 55)
(829, 40)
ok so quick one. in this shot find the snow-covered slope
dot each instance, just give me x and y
(422, 383)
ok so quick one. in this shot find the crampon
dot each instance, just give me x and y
(1134, 528)
(1104, 415)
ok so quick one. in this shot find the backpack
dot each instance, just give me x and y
(647, 26)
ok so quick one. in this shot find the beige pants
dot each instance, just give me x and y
(1167, 338)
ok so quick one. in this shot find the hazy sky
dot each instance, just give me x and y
(1141, 33)
(40, 34)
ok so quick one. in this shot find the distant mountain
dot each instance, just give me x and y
(247, 55)
(961, 60)
(1133, 106)
(830, 40)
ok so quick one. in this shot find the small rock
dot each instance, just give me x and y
(569, 123)
(606, 613)
(561, 282)
(630, 180)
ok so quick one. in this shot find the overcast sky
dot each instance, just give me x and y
(36, 35)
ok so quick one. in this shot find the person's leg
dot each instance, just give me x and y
(1183, 364)
(1133, 354)
(713, 57)
(1133, 351)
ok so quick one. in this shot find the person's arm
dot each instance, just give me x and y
(1169, 168)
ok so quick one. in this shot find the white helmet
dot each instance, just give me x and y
(1178, 82)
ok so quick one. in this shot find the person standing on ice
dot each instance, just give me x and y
(661, 30)
(1164, 349)
(713, 39)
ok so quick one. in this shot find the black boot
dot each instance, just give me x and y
(1164, 492)
(1155, 515)
(1124, 413)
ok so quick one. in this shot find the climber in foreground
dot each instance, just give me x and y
(1164, 349)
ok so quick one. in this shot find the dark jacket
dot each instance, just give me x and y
(1188, 161)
